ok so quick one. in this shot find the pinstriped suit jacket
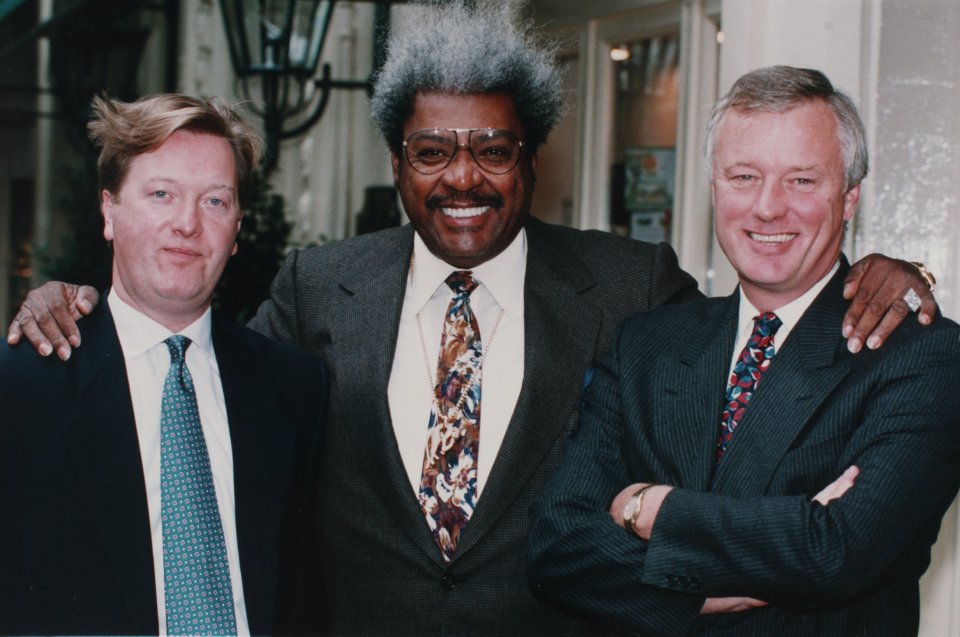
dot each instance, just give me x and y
(748, 526)
(384, 574)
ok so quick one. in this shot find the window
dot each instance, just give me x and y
(644, 136)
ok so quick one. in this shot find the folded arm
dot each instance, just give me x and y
(796, 552)
(582, 560)
(790, 550)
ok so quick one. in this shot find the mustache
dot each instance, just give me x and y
(471, 199)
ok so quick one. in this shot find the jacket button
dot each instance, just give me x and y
(447, 582)
(672, 580)
(695, 582)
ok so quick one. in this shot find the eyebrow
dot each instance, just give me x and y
(752, 165)
(171, 180)
(431, 135)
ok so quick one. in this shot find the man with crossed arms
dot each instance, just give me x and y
(684, 493)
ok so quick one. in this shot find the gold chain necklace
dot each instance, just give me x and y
(485, 345)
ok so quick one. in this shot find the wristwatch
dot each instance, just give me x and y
(631, 510)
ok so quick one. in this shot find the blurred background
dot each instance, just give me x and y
(640, 77)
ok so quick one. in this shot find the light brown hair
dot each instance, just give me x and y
(123, 130)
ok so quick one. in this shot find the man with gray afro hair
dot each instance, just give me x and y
(472, 47)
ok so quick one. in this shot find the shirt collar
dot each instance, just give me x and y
(788, 314)
(139, 333)
(502, 275)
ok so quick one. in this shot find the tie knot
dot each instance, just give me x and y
(177, 345)
(766, 324)
(461, 281)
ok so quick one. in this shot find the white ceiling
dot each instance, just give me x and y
(562, 11)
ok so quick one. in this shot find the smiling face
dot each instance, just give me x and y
(464, 214)
(780, 199)
(173, 224)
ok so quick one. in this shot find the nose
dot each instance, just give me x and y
(771, 201)
(463, 173)
(187, 220)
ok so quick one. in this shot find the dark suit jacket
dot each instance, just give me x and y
(75, 549)
(383, 571)
(749, 527)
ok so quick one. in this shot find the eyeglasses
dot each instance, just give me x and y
(432, 149)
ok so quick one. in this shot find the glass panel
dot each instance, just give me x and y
(318, 22)
(642, 179)
(556, 167)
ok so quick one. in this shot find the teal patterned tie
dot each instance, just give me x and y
(196, 577)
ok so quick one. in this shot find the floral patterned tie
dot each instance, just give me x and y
(753, 362)
(448, 484)
(197, 590)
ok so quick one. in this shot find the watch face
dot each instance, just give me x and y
(630, 510)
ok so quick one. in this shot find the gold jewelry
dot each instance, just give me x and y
(486, 343)
(631, 511)
(431, 376)
(925, 273)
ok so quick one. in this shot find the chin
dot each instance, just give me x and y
(182, 293)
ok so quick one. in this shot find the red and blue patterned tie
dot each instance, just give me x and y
(753, 362)
(448, 484)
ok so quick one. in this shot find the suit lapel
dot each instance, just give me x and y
(554, 309)
(805, 371)
(102, 437)
(693, 381)
(262, 455)
(367, 321)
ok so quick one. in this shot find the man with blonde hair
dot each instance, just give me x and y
(158, 482)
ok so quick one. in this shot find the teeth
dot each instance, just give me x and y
(463, 213)
(771, 238)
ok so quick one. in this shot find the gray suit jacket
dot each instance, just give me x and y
(747, 526)
(383, 571)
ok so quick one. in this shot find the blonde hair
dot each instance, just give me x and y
(123, 130)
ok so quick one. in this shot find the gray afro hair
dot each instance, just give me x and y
(462, 47)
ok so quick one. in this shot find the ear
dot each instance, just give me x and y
(850, 201)
(106, 209)
(395, 164)
(236, 235)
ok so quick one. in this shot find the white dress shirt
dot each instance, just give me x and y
(789, 314)
(498, 304)
(147, 359)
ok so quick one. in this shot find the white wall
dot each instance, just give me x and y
(916, 166)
